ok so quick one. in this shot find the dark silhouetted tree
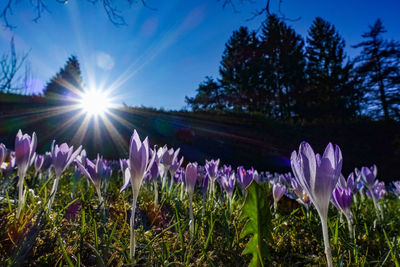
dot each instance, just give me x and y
(283, 67)
(209, 96)
(329, 85)
(67, 83)
(379, 67)
(240, 72)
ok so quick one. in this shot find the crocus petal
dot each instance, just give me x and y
(127, 179)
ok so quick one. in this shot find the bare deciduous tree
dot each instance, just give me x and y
(114, 11)
(111, 7)
(10, 68)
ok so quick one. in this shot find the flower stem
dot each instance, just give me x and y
(171, 184)
(191, 223)
(21, 176)
(325, 234)
(132, 225)
(101, 202)
(350, 226)
(52, 194)
(182, 190)
(155, 194)
(376, 205)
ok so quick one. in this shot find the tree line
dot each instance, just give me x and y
(279, 74)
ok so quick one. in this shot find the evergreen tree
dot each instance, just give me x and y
(284, 67)
(240, 72)
(67, 83)
(329, 85)
(209, 96)
(379, 67)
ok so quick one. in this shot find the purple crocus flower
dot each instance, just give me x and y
(47, 160)
(225, 170)
(3, 153)
(228, 181)
(95, 172)
(38, 163)
(244, 178)
(169, 157)
(342, 199)
(62, 156)
(179, 174)
(175, 165)
(369, 175)
(278, 190)
(158, 157)
(212, 168)
(302, 196)
(349, 183)
(285, 179)
(139, 164)
(25, 147)
(153, 172)
(191, 178)
(396, 188)
(172, 170)
(318, 177)
(378, 190)
(8, 167)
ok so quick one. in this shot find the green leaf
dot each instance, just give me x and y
(256, 211)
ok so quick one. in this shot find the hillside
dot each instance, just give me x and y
(235, 139)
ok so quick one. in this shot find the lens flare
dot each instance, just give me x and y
(95, 102)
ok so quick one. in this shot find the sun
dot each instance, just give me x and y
(95, 102)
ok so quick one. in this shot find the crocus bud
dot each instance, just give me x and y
(191, 177)
(278, 191)
(138, 162)
(342, 199)
(38, 162)
(153, 173)
(25, 147)
(47, 161)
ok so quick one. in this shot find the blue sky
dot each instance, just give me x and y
(162, 55)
